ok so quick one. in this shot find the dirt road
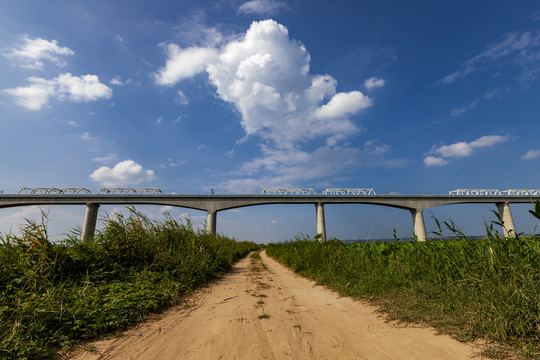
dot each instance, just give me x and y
(261, 310)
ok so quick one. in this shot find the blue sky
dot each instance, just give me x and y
(417, 97)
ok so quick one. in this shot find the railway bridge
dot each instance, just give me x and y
(213, 203)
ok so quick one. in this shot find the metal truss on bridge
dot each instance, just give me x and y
(480, 192)
(129, 190)
(289, 191)
(521, 192)
(53, 191)
(341, 191)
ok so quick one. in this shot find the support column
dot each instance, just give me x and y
(90, 219)
(418, 223)
(211, 222)
(321, 224)
(509, 228)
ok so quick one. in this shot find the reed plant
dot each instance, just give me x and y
(53, 294)
(470, 288)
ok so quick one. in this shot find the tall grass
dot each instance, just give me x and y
(488, 288)
(53, 294)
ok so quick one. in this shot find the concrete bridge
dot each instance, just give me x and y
(212, 204)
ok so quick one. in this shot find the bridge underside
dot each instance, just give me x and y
(214, 203)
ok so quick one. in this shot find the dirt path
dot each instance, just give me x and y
(261, 310)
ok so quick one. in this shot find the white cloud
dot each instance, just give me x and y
(159, 120)
(460, 111)
(343, 104)
(166, 209)
(434, 161)
(81, 88)
(65, 87)
(262, 7)
(72, 123)
(126, 172)
(35, 96)
(60, 219)
(181, 98)
(373, 83)
(265, 75)
(202, 147)
(531, 154)
(87, 137)
(117, 80)
(184, 63)
(172, 163)
(462, 149)
(295, 167)
(515, 49)
(32, 52)
(106, 159)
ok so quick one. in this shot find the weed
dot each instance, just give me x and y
(484, 288)
(53, 294)
(263, 316)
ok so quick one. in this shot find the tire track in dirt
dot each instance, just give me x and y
(261, 310)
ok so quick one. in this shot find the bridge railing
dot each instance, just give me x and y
(53, 191)
(289, 191)
(129, 190)
(344, 191)
(484, 192)
(475, 192)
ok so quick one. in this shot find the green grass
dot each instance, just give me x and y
(468, 288)
(53, 294)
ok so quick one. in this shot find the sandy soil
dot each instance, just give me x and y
(265, 311)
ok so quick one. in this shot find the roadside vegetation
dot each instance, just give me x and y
(53, 294)
(471, 289)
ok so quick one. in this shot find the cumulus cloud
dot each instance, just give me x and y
(35, 96)
(434, 161)
(265, 75)
(343, 104)
(462, 149)
(262, 7)
(531, 154)
(31, 53)
(183, 63)
(64, 87)
(126, 172)
(373, 83)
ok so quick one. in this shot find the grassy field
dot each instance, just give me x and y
(488, 288)
(53, 294)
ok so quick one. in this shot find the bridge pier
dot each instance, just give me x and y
(321, 224)
(509, 228)
(419, 225)
(90, 220)
(211, 225)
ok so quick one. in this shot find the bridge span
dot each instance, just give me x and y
(212, 204)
